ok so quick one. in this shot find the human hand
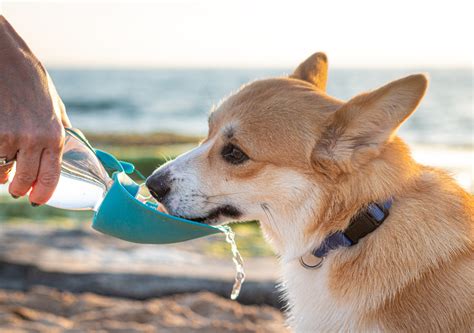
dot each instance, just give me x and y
(32, 120)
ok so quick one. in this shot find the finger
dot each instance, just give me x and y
(48, 176)
(27, 165)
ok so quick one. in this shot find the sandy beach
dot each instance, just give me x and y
(75, 279)
(48, 310)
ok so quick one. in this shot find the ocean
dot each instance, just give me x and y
(179, 100)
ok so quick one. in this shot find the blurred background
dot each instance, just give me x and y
(139, 78)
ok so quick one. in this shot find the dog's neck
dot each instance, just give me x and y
(325, 211)
(407, 248)
(285, 231)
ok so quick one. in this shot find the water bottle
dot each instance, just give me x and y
(83, 181)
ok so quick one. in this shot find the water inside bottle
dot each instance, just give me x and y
(83, 181)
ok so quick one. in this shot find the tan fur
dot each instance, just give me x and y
(413, 274)
(313, 70)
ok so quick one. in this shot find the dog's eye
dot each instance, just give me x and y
(233, 154)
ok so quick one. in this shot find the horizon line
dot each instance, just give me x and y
(245, 67)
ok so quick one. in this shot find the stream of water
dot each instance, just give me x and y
(237, 259)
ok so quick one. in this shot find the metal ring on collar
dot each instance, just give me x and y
(311, 265)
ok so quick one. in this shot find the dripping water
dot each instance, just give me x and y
(236, 258)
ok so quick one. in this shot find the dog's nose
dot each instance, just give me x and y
(159, 184)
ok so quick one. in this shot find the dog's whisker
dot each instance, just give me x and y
(268, 213)
(271, 220)
(217, 195)
(211, 202)
(167, 158)
(224, 194)
(265, 211)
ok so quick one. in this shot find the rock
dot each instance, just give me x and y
(17, 276)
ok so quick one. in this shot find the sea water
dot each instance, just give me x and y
(171, 100)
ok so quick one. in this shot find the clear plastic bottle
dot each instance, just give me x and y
(83, 181)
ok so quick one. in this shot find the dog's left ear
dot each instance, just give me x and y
(313, 70)
(359, 129)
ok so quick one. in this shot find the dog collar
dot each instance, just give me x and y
(362, 224)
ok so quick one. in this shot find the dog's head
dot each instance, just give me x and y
(279, 146)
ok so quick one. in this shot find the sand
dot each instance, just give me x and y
(47, 310)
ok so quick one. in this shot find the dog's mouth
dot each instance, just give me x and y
(212, 217)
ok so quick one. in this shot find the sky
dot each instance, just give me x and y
(243, 33)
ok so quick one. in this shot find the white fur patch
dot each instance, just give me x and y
(187, 197)
(312, 308)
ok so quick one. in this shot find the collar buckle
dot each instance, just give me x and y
(366, 222)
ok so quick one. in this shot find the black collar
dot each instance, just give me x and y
(360, 226)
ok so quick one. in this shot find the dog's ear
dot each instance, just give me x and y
(313, 70)
(358, 130)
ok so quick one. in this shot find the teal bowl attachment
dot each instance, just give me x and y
(123, 216)
(118, 211)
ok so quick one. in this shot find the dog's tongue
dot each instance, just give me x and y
(145, 196)
(161, 208)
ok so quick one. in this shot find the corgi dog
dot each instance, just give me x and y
(368, 239)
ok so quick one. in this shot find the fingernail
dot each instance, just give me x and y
(35, 204)
(15, 196)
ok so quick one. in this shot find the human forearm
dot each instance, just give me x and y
(17, 59)
(32, 117)
(10, 41)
